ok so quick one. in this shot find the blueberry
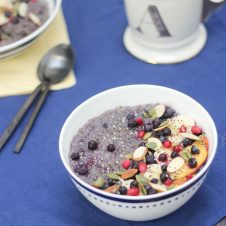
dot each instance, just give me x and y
(134, 164)
(174, 154)
(166, 131)
(152, 191)
(111, 147)
(162, 157)
(142, 144)
(192, 162)
(164, 176)
(92, 145)
(162, 138)
(157, 134)
(168, 113)
(105, 186)
(164, 167)
(156, 122)
(134, 184)
(150, 159)
(148, 127)
(105, 125)
(110, 182)
(75, 156)
(130, 116)
(8, 14)
(82, 170)
(132, 123)
(147, 187)
(154, 180)
(195, 150)
(187, 142)
(123, 190)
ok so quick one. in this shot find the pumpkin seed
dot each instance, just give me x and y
(142, 180)
(145, 113)
(151, 145)
(190, 136)
(152, 113)
(113, 176)
(98, 183)
(147, 135)
(143, 190)
(120, 172)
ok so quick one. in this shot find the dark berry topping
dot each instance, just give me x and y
(152, 191)
(15, 20)
(142, 144)
(8, 14)
(92, 145)
(134, 164)
(164, 176)
(134, 184)
(162, 138)
(162, 157)
(105, 125)
(123, 190)
(174, 154)
(110, 182)
(195, 150)
(166, 131)
(111, 147)
(82, 170)
(168, 113)
(154, 180)
(164, 167)
(130, 116)
(75, 156)
(192, 162)
(187, 142)
(156, 122)
(132, 123)
(148, 127)
(150, 159)
(147, 187)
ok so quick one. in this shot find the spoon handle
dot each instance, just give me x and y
(17, 119)
(32, 118)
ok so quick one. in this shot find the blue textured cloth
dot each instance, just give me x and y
(34, 186)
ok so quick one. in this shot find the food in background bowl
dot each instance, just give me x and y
(20, 18)
(141, 207)
(141, 150)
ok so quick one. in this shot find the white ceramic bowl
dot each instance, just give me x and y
(139, 208)
(18, 46)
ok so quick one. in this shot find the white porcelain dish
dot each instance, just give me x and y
(16, 47)
(139, 208)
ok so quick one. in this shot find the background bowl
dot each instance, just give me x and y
(138, 208)
(17, 46)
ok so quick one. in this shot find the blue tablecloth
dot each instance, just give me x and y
(34, 186)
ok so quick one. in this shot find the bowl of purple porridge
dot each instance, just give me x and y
(22, 22)
(97, 135)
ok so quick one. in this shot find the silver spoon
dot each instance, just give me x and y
(53, 68)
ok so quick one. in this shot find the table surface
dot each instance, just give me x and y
(34, 186)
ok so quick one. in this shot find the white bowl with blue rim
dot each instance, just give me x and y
(16, 47)
(139, 208)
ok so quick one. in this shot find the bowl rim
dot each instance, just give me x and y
(35, 33)
(154, 197)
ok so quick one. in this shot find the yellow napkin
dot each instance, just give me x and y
(18, 74)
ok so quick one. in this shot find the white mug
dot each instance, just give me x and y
(165, 31)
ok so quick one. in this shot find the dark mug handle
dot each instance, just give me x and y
(210, 6)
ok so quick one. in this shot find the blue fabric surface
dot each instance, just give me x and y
(34, 186)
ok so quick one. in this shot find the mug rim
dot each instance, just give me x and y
(154, 197)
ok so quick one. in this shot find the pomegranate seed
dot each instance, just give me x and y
(189, 177)
(133, 191)
(126, 164)
(142, 166)
(141, 134)
(178, 148)
(139, 121)
(167, 143)
(182, 129)
(196, 130)
(168, 182)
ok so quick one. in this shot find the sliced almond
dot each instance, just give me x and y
(160, 110)
(190, 136)
(163, 125)
(34, 18)
(139, 153)
(155, 141)
(112, 189)
(158, 187)
(175, 164)
(126, 183)
(3, 19)
(176, 140)
(129, 173)
(23, 9)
